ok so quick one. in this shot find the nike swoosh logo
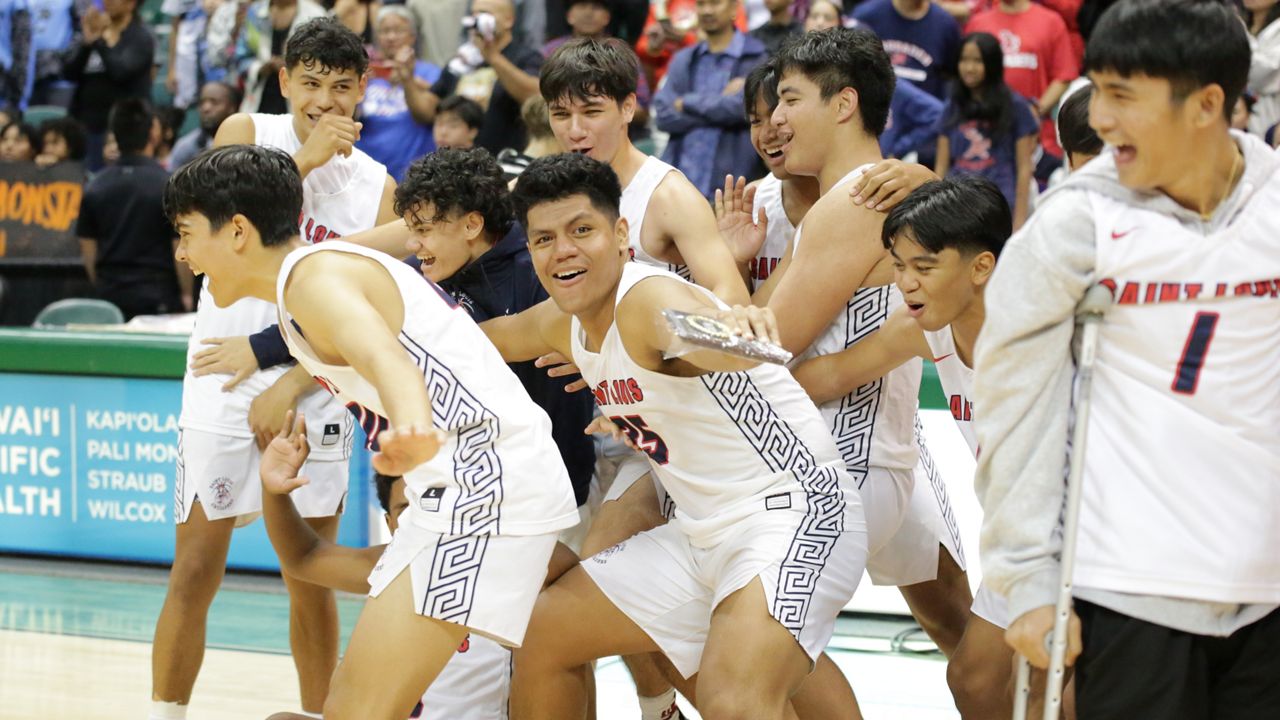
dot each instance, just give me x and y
(944, 357)
(1117, 235)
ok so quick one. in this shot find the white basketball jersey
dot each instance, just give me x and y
(874, 426)
(724, 445)
(474, 685)
(957, 382)
(340, 198)
(777, 234)
(1184, 435)
(635, 204)
(499, 472)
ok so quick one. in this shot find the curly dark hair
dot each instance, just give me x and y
(71, 131)
(326, 43)
(557, 177)
(458, 182)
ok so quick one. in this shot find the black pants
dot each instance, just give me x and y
(1135, 670)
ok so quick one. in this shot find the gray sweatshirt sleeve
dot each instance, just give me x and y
(1022, 397)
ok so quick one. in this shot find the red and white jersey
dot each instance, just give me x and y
(1184, 435)
(956, 379)
(724, 445)
(339, 198)
(874, 426)
(777, 235)
(499, 472)
(635, 204)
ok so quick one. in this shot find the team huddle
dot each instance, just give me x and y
(712, 519)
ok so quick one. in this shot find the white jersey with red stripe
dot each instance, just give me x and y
(724, 445)
(956, 379)
(1186, 403)
(634, 205)
(874, 426)
(498, 472)
(778, 234)
(339, 198)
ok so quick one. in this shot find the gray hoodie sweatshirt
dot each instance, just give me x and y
(1022, 393)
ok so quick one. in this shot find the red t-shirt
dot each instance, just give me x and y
(1037, 52)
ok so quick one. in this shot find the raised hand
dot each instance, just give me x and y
(734, 205)
(284, 456)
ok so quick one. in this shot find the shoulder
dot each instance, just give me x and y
(834, 217)
(239, 129)
(425, 70)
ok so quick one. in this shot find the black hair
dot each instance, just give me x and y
(1073, 124)
(844, 58)
(584, 68)
(71, 131)
(467, 110)
(761, 82)
(130, 122)
(34, 139)
(327, 45)
(233, 92)
(1190, 43)
(382, 488)
(993, 103)
(171, 121)
(968, 213)
(260, 183)
(557, 177)
(458, 181)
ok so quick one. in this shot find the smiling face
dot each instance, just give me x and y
(447, 244)
(578, 253)
(803, 120)
(313, 91)
(596, 126)
(214, 254)
(765, 139)
(1139, 117)
(937, 287)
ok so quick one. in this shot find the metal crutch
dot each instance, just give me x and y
(1088, 317)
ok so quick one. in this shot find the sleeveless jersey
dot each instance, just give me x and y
(499, 472)
(635, 203)
(724, 445)
(340, 198)
(957, 382)
(874, 426)
(1182, 439)
(777, 235)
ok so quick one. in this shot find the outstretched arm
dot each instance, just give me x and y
(538, 331)
(684, 216)
(833, 376)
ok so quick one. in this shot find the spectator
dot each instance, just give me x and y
(17, 53)
(590, 18)
(701, 103)
(187, 26)
(396, 110)
(671, 25)
(439, 24)
(782, 24)
(1240, 114)
(1264, 68)
(987, 129)
(913, 123)
(359, 16)
(54, 24)
(126, 241)
(1080, 142)
(962, 10)
(1038, 63)
(112, 62)
(19, 142)
(259, 48)
(169, 121)
(218, 101)
(542, 139)
(61, 140)
(922, 40)
(514, 65)
(458, 122)
(823, 15)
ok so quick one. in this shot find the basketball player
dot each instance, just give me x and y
(1176, 579)
(216, 487)
(473, 685)
(834, 89)
(488, 492)
(729, 439)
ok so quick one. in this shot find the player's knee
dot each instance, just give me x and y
(975, 685)
(194, 580)
(737, 703)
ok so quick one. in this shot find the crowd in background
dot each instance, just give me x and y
(979, 81)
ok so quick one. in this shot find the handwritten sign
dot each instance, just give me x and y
(39, 208)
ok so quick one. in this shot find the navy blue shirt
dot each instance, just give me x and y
(976, 150)
(923, 51)
(913, 122)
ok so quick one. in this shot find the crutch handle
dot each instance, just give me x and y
(1094, 304)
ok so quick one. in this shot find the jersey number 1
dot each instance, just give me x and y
(1188, 375)
(642, 437)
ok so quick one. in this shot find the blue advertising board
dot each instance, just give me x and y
(87, 469)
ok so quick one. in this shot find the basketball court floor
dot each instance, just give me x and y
(75, 642)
